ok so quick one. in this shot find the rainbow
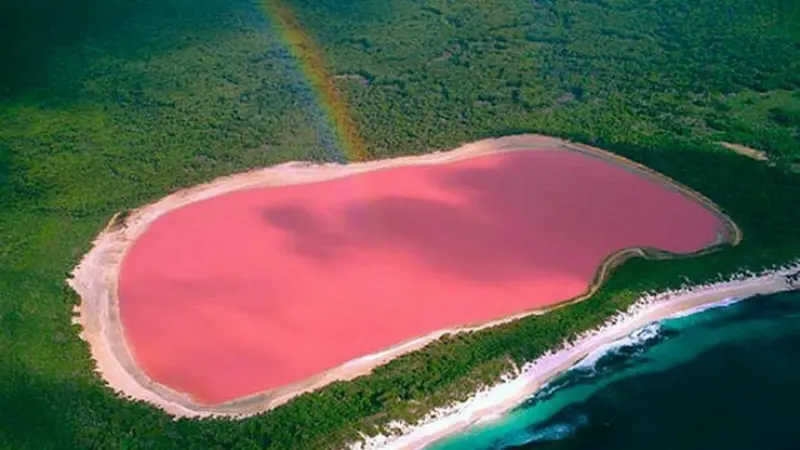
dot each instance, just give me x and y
(311, 63)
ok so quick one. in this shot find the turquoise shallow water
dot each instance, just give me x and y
(724, 378)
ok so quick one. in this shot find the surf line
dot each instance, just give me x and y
(312, 65)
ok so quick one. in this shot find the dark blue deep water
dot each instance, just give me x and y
(724, 378)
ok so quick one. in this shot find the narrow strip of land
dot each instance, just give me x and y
(506, 396)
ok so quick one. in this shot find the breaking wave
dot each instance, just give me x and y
(606, 359)
(598, 398)
(721, 304)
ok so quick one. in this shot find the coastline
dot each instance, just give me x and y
(492, 402)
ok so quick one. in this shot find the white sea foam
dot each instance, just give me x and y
(698, 309)
(639, 337)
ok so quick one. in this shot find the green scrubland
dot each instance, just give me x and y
(105, 106)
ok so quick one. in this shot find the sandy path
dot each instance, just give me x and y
(96, 277)
(758, 155)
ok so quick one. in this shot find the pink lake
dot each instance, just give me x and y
(257, 289)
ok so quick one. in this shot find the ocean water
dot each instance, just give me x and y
(724, 378)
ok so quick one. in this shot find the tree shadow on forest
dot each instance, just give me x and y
(30, 412)
(38, 37)
(6, 172)
(47, 45)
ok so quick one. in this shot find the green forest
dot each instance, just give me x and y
(106, 106)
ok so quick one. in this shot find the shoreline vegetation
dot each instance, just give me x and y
(95, 278)
(516, 386)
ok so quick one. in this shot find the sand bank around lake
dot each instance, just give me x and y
(96, 277)
(516, 388)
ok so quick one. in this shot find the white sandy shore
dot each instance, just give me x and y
(493, 401)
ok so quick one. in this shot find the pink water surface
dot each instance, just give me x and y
(256, 289)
